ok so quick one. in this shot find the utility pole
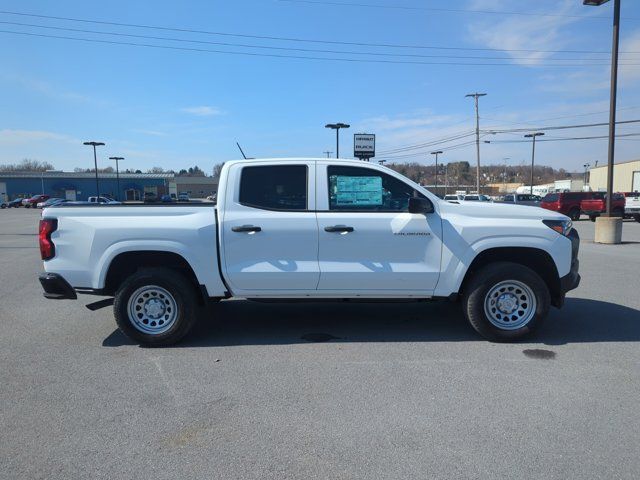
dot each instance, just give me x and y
(95, 162)
(504, 175)
(476, 96)
(337, 127)
(436, 154)
(327, 153)
(117, 159)
(533, 153)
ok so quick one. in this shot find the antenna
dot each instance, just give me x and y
(240, 148)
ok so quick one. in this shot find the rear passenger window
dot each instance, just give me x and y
(277, 187)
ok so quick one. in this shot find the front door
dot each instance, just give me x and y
(270, 234)
(369, 242)
(70, 195)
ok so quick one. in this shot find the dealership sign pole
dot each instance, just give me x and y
(364, 146)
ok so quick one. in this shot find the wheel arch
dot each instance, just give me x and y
(125, 264)
(536, 259)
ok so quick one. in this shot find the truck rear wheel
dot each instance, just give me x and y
(505, 301)
(155, 307)
(574, 214)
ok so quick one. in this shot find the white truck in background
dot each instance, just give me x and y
(310, 229)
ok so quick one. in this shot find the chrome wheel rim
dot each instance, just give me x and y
(510, 305)
(152, 310)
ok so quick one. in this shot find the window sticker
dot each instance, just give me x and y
(358, 191)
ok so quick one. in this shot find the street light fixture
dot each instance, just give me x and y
(533, 153)
(95, 162)
(476, 96)
(617, 226)
(117, 159)
(337, 127)
(436, 154)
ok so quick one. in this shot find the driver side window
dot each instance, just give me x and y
(359, 189)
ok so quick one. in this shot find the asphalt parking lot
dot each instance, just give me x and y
(400, 391)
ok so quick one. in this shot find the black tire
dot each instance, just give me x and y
(592, 218)
(181, 294)
(574, 214)
(484, 281)
(636, 218)
(617, 212)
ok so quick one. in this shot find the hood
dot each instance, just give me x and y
(499, 210)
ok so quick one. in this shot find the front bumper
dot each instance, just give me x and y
(572, 279)
(56, 288)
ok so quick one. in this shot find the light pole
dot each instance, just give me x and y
(504, 174)
(586, 167)
(337, 127)
(436, 153)
(617, 226)
(533, 153)
(95, 162)
(476, 96)
(117, 159)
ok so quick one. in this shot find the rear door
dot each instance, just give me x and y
(269, 230)
(369, 243)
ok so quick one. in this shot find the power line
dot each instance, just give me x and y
(299, 57)
(292, 39)
(447, 10)
(560, 127)
(271, 47)
(558, 139)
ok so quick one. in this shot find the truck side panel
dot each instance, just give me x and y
(89, 238)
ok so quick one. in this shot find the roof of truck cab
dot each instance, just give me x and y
(305, 159)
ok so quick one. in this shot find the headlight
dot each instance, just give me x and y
(563, 227)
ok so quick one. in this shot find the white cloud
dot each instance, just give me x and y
(203, 111)
(21, 137)
(536, 32)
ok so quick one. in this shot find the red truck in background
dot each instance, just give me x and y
(597, 205)
(567, 203)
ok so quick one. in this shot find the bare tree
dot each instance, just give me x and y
(27, 165)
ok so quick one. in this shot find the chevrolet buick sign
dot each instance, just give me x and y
(364, 145)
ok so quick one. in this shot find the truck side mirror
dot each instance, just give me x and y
(420, 205)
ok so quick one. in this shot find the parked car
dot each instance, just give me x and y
(150, 197)
(33, 201)
(632, 205)
(49, 202)
(3, 204)
(567, 203)
(183, 197)
(365, 231)
(521, 199)
(476, 198)
(597, 205)
(454, 197)
(166, 199)
(15, 203)
(103, 200)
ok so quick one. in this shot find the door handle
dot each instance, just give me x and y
(338, 229)
(246, 228)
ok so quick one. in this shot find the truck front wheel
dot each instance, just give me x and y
(505, 301)
(155, 307)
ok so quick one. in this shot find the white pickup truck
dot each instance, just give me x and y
(311, 229)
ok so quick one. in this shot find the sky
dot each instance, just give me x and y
(401, 71)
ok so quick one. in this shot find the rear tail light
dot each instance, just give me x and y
(47, 227)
